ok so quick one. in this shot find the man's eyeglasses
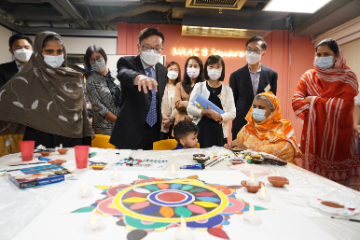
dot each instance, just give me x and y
(146, 48)
(258, 51)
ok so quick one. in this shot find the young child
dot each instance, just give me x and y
(185, 133)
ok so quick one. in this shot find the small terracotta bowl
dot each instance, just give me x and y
(62, 151)
(278, 181)
(251, 189)
(234, 162)
(45, 153)
(57, 161)
(98, 168)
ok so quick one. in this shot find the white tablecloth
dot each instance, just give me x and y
(19, 207)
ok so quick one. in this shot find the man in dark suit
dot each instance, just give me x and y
(12, 133)
(250, 80)
(143, 81)
(21, 49)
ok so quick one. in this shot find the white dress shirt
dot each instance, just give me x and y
(255, 78)
(19, 66)
(145, 66)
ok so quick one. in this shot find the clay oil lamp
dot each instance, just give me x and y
(252, 185)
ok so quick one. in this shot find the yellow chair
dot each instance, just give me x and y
(101, 141)
(167, 144)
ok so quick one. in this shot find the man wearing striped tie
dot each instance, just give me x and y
(143, 80)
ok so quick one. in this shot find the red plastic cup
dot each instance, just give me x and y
(27, 150)
(81, 156)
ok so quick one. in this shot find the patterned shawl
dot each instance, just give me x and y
(45, 98)
(274, 127)
(328, 139)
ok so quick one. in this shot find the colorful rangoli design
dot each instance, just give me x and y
(155, 204)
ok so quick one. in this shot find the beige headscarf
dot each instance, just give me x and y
(46, 98)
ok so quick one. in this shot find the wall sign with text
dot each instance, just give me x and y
(206, 52)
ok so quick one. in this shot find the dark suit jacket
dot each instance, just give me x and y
(7, 72)
(135, 105)
(240, 82)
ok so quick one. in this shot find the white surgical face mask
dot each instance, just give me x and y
(324, 62)
(258, 114)
(54, 61)
(98, 65)
(253, 57)
(172, 75)
(150, 57)
(23, 55)
(193, 72)
(214, 74)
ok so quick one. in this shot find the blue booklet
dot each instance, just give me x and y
(39, 175)
(201, 102)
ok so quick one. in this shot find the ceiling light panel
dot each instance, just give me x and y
(300, 6)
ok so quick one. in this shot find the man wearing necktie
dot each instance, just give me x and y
(250, 80)
(143, 80)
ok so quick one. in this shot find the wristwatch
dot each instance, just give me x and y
(171, 120)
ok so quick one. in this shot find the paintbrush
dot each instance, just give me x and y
(27, 164)
(212, 162)
(38, 170)
(221, 159)
(236, 151)
(348, 219)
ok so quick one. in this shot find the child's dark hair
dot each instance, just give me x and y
(183, 128)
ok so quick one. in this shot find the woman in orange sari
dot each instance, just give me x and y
(267, 131)
(323, 102)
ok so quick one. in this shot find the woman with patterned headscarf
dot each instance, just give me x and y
(323, 102)
(47, 97)
(266, 130)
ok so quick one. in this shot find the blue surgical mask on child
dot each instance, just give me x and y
(258, 114)
(324, 62)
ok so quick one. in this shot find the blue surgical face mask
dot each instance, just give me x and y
(324, 62)
(258, 114)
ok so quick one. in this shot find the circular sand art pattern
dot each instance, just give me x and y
(156, 204)
(167, 202)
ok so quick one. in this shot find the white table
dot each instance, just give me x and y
(19, 207)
